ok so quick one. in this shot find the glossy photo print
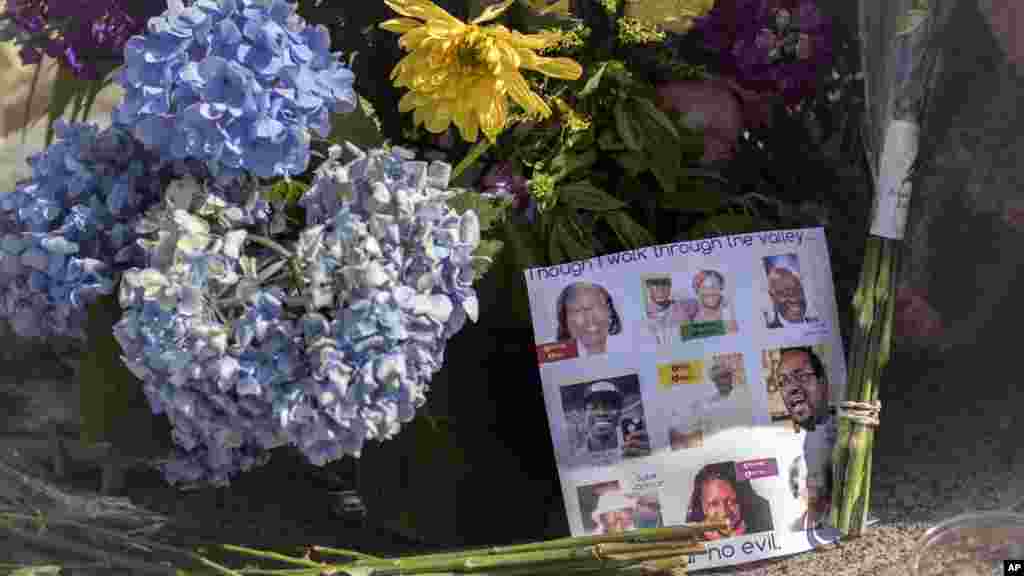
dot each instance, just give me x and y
(724, 402)
(687, 306)
(724, 491)
(801, 395)
(605, 419)
(788, 302)
(586, 322)
(606, 509)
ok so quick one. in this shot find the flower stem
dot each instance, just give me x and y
(268, 243)
(273, 556)
(471, 157)
(328, 551)
(552, 556)
(870, 352)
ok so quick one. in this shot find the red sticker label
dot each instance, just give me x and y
(556, 351)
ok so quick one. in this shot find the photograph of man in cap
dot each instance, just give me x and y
(786, 292)
(606, 418)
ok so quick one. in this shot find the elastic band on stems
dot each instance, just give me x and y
(865, 413)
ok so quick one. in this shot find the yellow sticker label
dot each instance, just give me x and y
(679, 373)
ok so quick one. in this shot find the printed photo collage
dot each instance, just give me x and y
(692, 393)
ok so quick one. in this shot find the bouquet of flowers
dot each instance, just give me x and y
(902, 60)
(247, 326)
(275, 284)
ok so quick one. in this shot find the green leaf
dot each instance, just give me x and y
(693, 195)
(646, 106)
(92, 91)
(910, 21)
(31, 98)
(288, 191)
(593, 82)
(77, 101)
(667, 176)
(629, 232)
(608, 141)
(490, 212)
(66, 87)
(575, 243)
(360, 127)
(634, 163)
(568, 162)
(624, 125)
(487, 252)
(585, 196)
(721, 225)
(520, 245)
(113, 406)
(556, 251)
(37, 571)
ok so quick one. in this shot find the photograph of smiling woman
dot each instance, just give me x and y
(587, 315)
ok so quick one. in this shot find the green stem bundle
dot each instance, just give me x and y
(646, 548)
(870, 351)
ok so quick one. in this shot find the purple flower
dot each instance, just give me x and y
(773, 46)
(89, 35)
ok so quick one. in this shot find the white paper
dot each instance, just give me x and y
(653, 359)
(892, 195)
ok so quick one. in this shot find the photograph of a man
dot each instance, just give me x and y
(665, 311)
(786, 292)
(813, 493)
(715, 412)
(717, 494)
(606, 415)
(804, 387)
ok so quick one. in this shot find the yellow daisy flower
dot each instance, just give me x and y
(463, 74)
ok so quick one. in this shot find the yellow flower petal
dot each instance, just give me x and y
(422, 10)
(463, 74)
(439, 120)
(556, 7)
(493, 122)
(537, 41)
(407, 102)
(400, 25)
(466, 121)
(565, 68)
(493, 11)
(520, 91)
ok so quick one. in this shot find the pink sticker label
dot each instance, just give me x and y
(753, 469)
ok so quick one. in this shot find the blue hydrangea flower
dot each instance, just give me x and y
(68, 228)
(322, 344)
(234, 83)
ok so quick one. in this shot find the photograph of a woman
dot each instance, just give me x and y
(587, 315)
(718, 495)
(713, 314)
